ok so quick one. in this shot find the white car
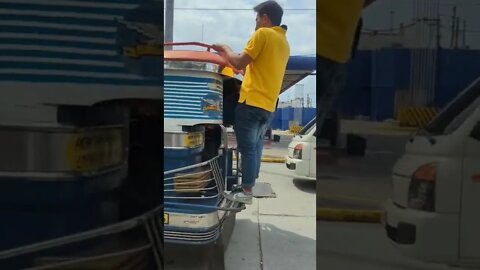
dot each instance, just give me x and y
(433, 214)
(302, 157)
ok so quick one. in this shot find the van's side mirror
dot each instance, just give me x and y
(476, 132)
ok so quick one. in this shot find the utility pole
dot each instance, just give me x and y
(169, 23)
(454, 17)
(438, 22)
(392, 20)
(457, 32)
(464, 41)
(438, 33)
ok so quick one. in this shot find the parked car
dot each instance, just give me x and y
(302, 156)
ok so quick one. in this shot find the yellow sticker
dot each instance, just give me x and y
(166, 218)
(211, 108)
(193, 140)
(150, 50)
(93, 150)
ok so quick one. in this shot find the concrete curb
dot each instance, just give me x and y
(350, 215)
(399, 129)
(272, 160)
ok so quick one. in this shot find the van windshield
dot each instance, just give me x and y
(306, 129)
(457, 111)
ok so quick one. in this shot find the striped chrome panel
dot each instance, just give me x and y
(172, 236)
(185, 97)
(66, 41)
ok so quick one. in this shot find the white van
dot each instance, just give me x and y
(302, 156)
(434, 213)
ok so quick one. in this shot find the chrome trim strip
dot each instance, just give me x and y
(192, 234)
(183, 175)
(191, 189)
(191, 166)
(192, 198)
(47, 150)
(60, 176)
(173, 237)
(192, 65)
(49, 128)
(192, 182)
(175, 140)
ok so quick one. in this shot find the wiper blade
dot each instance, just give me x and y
(426, 133)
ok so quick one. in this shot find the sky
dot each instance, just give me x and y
(378, 16)
(235, 27)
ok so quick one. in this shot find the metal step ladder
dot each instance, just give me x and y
(261, 189)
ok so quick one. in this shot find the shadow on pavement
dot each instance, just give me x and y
(344, 246)
(276, 249)
(327, 177)
(306, 185)
(367, 262)
(179, 257)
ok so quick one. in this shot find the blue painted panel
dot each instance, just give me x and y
(457, 69)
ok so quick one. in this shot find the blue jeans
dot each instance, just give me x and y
(331, 79)
(251, 124)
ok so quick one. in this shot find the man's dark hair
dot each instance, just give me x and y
(273, 10)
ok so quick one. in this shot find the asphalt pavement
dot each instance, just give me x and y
(359, 182)
(276, 233)
(360, 246)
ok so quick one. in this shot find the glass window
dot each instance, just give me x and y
(450, 118)
(308, 127)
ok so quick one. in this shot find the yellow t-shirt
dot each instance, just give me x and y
(336, 26)
(263, 78)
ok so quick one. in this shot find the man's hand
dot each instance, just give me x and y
(221, 48)
(238, 61)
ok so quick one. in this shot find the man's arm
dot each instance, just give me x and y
(237, 60)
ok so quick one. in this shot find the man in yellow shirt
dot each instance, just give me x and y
(265, 58)
(337, 23)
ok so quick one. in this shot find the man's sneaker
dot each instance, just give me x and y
(241, 197)
(236, 188)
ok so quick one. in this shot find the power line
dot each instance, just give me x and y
(460, 4)
(242, 9)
